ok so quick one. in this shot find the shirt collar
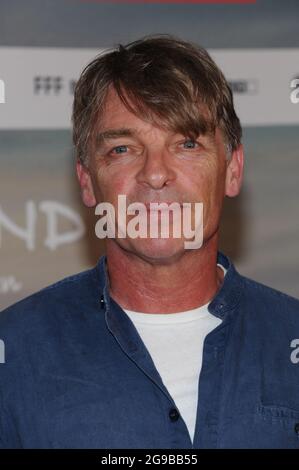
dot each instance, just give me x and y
(225, 300)
(229, 294)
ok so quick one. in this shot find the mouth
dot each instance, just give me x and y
(161, 205)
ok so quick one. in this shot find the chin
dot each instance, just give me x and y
(157, 250)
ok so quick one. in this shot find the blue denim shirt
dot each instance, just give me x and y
(77, 374)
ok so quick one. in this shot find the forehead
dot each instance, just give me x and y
(118, 121)
(113, 102)
(115, 112)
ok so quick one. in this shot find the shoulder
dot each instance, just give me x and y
(269, 301)
(43, 306)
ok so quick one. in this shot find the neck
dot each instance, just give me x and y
(188, 282)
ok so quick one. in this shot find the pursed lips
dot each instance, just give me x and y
(160, 205)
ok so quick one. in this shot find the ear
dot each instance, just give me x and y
(234, 173)
(84, 178)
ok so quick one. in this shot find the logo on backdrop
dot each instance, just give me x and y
(244, 87)
(48, 85)
(53, 211)
(2, 91)
(9, 284)
(294, 95)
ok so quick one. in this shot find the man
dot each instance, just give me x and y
(159, 345)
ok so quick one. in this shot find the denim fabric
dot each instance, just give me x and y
(77, 374)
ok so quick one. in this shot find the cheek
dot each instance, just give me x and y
(202, 182)
(110, 184)
(207, 184)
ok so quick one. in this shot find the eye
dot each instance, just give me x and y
(190, 143)
(119, 149)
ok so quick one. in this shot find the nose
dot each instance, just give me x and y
(157, 170)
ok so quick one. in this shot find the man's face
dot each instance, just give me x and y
(152, 164)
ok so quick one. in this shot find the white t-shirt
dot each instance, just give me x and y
(175, 343)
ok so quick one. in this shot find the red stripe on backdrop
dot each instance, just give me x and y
(202, 2)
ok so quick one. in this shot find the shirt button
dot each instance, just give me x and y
(174, 414)
(296, 428)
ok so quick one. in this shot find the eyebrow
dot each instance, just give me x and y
(110, 134)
